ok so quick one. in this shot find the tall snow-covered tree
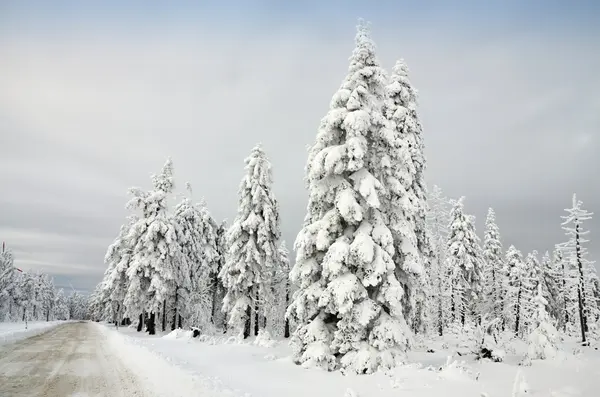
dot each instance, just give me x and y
(61, 305)
(518, 295)
(115, 283)
(348, 305)
(438, 220)
(576, 252)
(286, 286)
(156, 252)
(550, 285)
(465, 265)
(402, 162)
(543, 339)
(562, 268)
(493, 260)
(217, 285)
(252, 242)
(197, 236)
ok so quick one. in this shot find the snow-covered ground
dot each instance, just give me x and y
(221, 367)
(13, 332)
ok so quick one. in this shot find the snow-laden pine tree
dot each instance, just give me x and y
(494, 277)
(252, 242)
(550, 285)
(439, 285)
(277, 323)
(8, 284)
(348, 306)
(115, 283)
(197, 236)
(156, 253)
(535, 276)
(465, 265)
(576, 252)
(518, 295)
(217, 285)
(61, 305)
(403, 162)
(285, 286)
(543, 339)
(565, 286)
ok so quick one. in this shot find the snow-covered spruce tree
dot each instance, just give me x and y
(534, 278)
(286, 286)
(402, 163)
(115, 282)
(252, 242)
(197, 235)
(493, 274)
(217, 314)
(439, 298)
(348, 306)
(277, 323)
(565, 285)
(543, 339)
(8, 284)
(156, 252)
(550, 285)
(465, 265)
(61, 305)
(576, 252)
(518, 296)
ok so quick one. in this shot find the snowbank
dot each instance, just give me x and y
(157, 371)
(14, 332)
(220, 366)
(179, 334)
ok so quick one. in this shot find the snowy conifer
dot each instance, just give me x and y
(155, 252)
(348, 305)
(439, 299)
(197, 236)
(493, 274)
(217, 285)
(576, 252)
(563, 270)
(252, 243)
(403, 162)
(115, 283)
(543, 339)
(518, 295)
(465, 265)
(550, 285)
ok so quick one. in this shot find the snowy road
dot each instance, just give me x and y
(69, 360)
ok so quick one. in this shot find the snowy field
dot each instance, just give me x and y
(13, 332)
(222, 367)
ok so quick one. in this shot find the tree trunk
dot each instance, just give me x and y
(215, 298)
(24, 311)
(581, 288)
(286, 329)
(164, 316)
(141, 323)
(179, 321)
(247, 325)
(565, 296)
(174, 323)
(518, 318)
(256, 316)
(152, 324)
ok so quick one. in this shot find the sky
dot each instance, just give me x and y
(94, 96)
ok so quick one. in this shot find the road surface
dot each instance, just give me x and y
(71, 360)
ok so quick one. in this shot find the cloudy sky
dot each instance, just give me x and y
(94, 98)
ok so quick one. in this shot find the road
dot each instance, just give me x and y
(69, 360)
